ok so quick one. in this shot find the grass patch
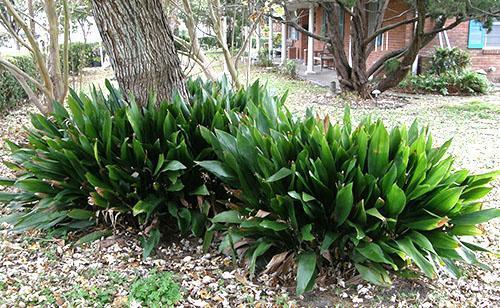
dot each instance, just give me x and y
(474, 108)
(279, 84)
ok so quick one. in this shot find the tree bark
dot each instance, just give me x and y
(137, 37)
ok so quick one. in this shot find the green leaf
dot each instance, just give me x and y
(273, 225)
(374, 275)
(422, 241)
(281, 174)
(200, 191)
(406, 245)
(476, 217)
(259, 251)
(305, 233)
(306, 270)
(147, 206)
(174, 165)
(35, 185)
(219, 169)
(378, 151)
(476, 193)
(7, 197)
(427, 224)
(470, 230)
(375, 213)
(445, 200)
(94, 236)
(330, 237)
(396, 201)
(343, 204)
(231, 217)
(151, 242)
(373, 252)
(159, 164)
(7, 182)
(80, 214)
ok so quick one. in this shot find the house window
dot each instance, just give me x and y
(379, 40)
(492, 39)
(480, 38)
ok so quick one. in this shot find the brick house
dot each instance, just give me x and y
(483, 47)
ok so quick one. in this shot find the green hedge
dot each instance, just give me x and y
(11, 92)
(83, 55)
(278, 188)
(466, 83)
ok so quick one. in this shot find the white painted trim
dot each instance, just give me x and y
(283, 43)
(270, 38)
(387, 40)
(310, 43)
(447, 39)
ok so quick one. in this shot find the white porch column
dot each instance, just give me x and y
(270, 38)
(310, 43)
(283, 43)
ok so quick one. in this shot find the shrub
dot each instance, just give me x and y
(321, 193)
(156, 290)
(450, 83)
(83, 55)
(263, 58)
(11, 91)
(449, 60)
(105, 156)
(209, 42)
(289, 68)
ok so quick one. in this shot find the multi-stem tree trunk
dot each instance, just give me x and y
(141, 47)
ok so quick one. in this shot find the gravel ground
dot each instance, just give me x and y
(37, 269)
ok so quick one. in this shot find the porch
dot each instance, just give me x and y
(324, 78)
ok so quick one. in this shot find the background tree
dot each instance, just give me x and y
(136, 35)
(53, 80)
(429, 18)
(220, 18)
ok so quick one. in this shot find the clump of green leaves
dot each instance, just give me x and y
(105, 155)
(465, 83)
(11, 92)
(82, 55)
(448, 73)
(322, 193)
(156, 290)
(289, 68)
(449, 60)
(263, 58)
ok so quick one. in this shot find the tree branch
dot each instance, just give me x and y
(6, 24)
(40, 59)
(247, 38)
(17, 71)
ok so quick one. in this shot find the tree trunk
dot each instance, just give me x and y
(136, 35)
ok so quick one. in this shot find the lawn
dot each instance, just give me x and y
(48, 269)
